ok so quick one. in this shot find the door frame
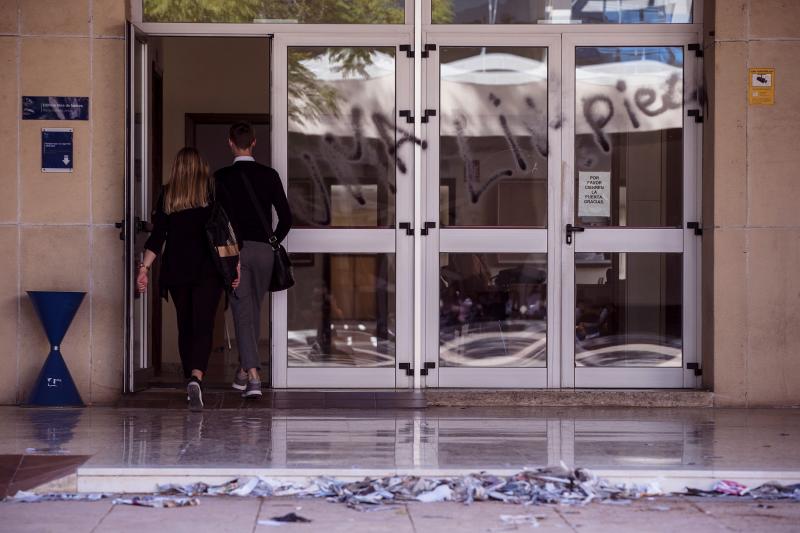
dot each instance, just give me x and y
(137, 367)
(334, 240)
(498, 239)
(667, 240)
(421, 31)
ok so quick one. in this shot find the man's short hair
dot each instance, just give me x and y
(242, 135)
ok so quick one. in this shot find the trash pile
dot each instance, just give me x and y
(544, 485)
(553, 485)
(767, 491)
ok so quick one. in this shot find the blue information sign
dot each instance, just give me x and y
(56, 149)
(55, 108)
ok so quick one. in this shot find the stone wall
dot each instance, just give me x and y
(751, 279)
(57, 230)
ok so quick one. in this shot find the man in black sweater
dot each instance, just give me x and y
(243, 203)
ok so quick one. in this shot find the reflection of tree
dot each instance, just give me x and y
(308, 98)
(442, 11)
(302, 11)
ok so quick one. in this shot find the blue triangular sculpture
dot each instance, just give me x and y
(54, 386)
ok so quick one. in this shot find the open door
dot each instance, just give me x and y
(135, 226)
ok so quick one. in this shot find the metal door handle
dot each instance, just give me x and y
(573, 229)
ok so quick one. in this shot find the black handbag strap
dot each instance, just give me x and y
(264, 223)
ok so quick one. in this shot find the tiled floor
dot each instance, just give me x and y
(434, 438)
(244, 514)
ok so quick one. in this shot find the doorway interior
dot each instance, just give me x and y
(198, 87)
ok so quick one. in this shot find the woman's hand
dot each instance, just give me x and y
(142, 279)
(235, 283)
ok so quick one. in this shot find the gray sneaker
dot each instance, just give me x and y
(240, 381)
(195, 393)
(253, 390)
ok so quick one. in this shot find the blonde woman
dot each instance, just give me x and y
(188, 273)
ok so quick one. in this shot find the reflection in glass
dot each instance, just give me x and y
(342, 311)
(628, 309)
(493, 310)
(493, 136)
(276, 11)
(629, 136)
(561, 11)
(342, 136)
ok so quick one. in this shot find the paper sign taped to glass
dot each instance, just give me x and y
(594, 194)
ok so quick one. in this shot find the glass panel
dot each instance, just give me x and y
(493, 310)
(493, 136)
(342, 311)
(561, 11)
(629, 136)
(276, 11)
(628, 309)
(342, 136)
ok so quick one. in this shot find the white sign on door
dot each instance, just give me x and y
(594, 194)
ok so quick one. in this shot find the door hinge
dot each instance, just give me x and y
(696, 114)
(696, 367)
(121, 227)
(410, 369)
(427, 49)
(426, 227)
(696, 227)
(427, 113)
(407, 49)
(407, 113)
(696, 48)
(406, 226)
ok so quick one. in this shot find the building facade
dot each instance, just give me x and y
(488, 195)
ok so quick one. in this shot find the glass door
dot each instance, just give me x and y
(629, 250)
(134, 228)
(491, 124)
(345, 151)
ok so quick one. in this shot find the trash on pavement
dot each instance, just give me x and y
(285, 519)
(520, 519)
(159, 502)
(24, 496)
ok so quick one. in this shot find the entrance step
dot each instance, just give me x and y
(569, 398)
(174, 398)
(142, 480)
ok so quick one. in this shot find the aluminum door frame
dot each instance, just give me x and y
(633, 240)
(367, 240)
(137, 367)
(517, 240)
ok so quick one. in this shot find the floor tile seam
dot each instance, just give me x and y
(564, 518)
(410, 518)
(103, 518)
(12, 479)
(258, 514)
(709, 514)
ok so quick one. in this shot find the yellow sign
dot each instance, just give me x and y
(761, 87)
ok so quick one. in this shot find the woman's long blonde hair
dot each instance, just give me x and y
(190, 182)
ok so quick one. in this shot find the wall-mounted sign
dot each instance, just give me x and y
(57, 150)
(55, 108)
(761, 86)
(594, 194)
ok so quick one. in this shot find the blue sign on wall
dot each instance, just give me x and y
(57, 150)
(55, 108)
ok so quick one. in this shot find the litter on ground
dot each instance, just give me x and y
(553, 485)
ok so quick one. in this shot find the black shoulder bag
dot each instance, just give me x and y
(282, 275)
